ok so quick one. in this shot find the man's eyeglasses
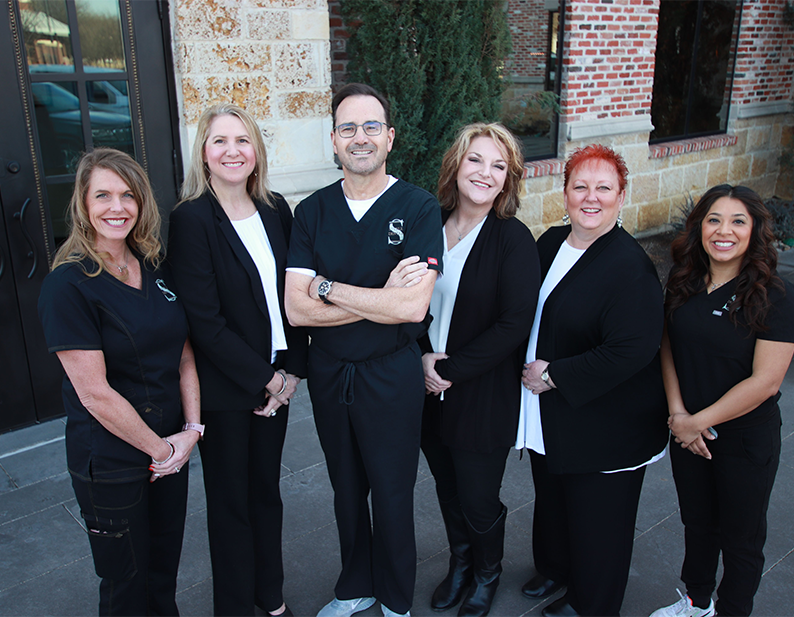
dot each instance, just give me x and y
(349, 129)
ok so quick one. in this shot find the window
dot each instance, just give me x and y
(695, 53)
(530, 106)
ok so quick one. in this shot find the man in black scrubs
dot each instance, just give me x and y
(363, 260)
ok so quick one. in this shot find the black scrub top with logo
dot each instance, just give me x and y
(141, 333)
(711, 355)
(404, 221)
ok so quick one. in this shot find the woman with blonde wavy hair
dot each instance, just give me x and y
(131, 391)
(482, 311)
(228, 249)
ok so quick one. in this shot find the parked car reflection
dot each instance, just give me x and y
(60, 124)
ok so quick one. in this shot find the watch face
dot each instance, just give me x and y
(324, 288)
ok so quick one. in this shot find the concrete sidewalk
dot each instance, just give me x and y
(46, 567)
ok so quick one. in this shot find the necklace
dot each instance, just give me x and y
(121, 268)
(460, 234)
(715, 285)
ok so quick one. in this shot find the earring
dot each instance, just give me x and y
(566, 220)
(620, 221)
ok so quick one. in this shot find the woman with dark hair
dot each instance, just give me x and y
(592, 408)
(482, 310)
(228, 249)
(728, 343)
(130, 392)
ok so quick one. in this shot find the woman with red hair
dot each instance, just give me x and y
(593, 413)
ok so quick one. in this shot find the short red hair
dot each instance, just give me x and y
(597, 152)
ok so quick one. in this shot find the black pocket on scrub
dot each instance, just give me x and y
(114, 557)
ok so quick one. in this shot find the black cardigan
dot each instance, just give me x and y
(221, 289)
(600, 329)
(493, 314)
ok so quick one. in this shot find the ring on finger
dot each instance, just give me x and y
(177, 469)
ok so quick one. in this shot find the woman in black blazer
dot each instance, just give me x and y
(593, 411)
(227, 248)
(482, 310)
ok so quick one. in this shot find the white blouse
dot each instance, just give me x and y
(254, 237)
(442, 302)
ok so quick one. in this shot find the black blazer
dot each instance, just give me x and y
(225, 304)
(600, 329)
(493, 314)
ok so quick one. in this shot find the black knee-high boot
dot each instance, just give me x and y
(458, 579)
(487, 552)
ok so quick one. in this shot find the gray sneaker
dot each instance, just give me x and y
(684, 608)
(387, 612)
(345, 608)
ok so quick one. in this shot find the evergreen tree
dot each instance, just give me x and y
(440, 64)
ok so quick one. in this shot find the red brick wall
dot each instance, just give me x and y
(339, 38)
(528, 21)
(608, 58)
(765, 57)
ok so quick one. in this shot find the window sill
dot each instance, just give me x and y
(696, 144)
(545, 167)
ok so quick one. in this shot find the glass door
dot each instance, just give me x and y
(72, 82)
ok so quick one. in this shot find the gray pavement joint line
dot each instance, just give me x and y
(774, 565)
(34, 513)
(666, 518)
(76, 520)
(33, 447)
(33, 578)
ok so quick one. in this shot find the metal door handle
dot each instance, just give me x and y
(20, 216)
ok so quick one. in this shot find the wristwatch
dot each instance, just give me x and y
(545, 376)
(324, 289)
(192, 426)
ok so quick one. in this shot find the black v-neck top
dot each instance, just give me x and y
(141, 333)
(711, 354)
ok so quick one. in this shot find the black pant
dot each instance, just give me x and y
(135, 530)
(368, 417)
(583, 533)
(474, 477)
(241, 458)
(723, 507)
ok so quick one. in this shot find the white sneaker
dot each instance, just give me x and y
(684, 608)
(387, 612)
(345, 608)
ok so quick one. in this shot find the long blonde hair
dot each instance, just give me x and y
(144, 237)
(197, 178)
(507, 202)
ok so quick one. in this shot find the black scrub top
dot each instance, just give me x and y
(141, 333)
(711, 355)
(326, 238)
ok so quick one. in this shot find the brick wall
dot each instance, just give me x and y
(765, 58)
(608, 59)
(339, 36)
(528, 21)
(271, 58)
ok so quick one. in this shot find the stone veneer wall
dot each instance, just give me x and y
(272, 58)
(658, 185)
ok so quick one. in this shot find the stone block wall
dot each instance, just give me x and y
(272, 58)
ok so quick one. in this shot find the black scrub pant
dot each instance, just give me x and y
(475, 478)
(135, 530)
(723, 507)
(583, 533)
(241, 459)
(368, 417)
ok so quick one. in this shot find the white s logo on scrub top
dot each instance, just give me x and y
(396, 234)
